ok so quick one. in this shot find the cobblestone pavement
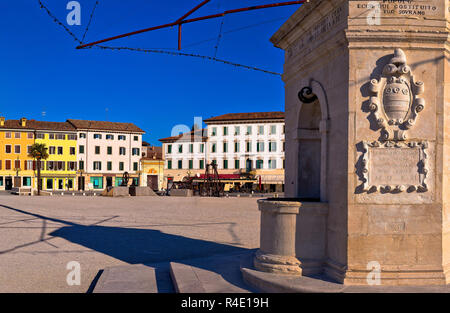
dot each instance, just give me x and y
(41, 235)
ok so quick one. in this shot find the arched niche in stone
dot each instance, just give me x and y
(312, 144)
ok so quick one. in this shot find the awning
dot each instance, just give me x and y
(272, 179)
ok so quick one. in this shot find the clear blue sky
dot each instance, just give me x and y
(41, 71)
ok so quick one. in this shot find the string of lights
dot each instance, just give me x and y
(90, 20)
(57, 21)
(157, 51)
(216, 48)
(192, 44)
(175, 53)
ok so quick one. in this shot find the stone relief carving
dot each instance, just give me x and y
(395, 99)
(416, 164)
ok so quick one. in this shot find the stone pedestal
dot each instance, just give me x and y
(277, 241)
(368, 132)
(292, 236)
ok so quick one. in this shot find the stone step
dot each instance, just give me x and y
(127, 279)
(218, 274)
(281, 283)
(215, 274)
(185, 279)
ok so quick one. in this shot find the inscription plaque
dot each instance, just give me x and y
(394, 167)
(410, 8)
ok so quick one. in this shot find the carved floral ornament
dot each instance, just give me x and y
(422, 167)
(395, 100)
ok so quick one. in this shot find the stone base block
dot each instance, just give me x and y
(141, 191)
(117, 192)
(277, 264)
(390, 275)
(411, 277)
(21, 191)
(181, 193)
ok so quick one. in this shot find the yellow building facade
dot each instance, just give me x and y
(152, 173)
(73, 162)
(19, 170)
(16, 167)
(60, 169)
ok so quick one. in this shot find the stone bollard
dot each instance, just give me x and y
(277, 241)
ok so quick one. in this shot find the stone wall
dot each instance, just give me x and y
(390, 214)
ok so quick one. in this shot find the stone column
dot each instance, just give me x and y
(278, 228)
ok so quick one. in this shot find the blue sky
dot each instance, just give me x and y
(41, 71)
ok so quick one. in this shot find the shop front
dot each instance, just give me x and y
(58, 183)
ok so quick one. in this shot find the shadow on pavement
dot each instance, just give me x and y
(137, 246)
(140, 246)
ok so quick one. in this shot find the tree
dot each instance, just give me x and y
(39, 152)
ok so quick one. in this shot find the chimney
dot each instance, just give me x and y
(2, 121)
(23, 121)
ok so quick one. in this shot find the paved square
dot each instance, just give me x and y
(40, 235)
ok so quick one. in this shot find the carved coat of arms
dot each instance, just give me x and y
(395, 99)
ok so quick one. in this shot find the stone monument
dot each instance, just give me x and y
(367, 87)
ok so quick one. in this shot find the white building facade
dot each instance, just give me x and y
(106, 150)
(237, 143)
(184, 155)
(246, 142)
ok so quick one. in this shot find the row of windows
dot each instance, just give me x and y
(51, 150)
(58, 165)
(190, 148)
(9, 135)
(26, 181)
(261, 129)
(260, 147)
(60, 150)
(31, 165)
(259, 164)
(17, 149)
(272, 147)
(109, 136)
(8, 164)
(58, 136)
(109, 150)
(97, 165)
